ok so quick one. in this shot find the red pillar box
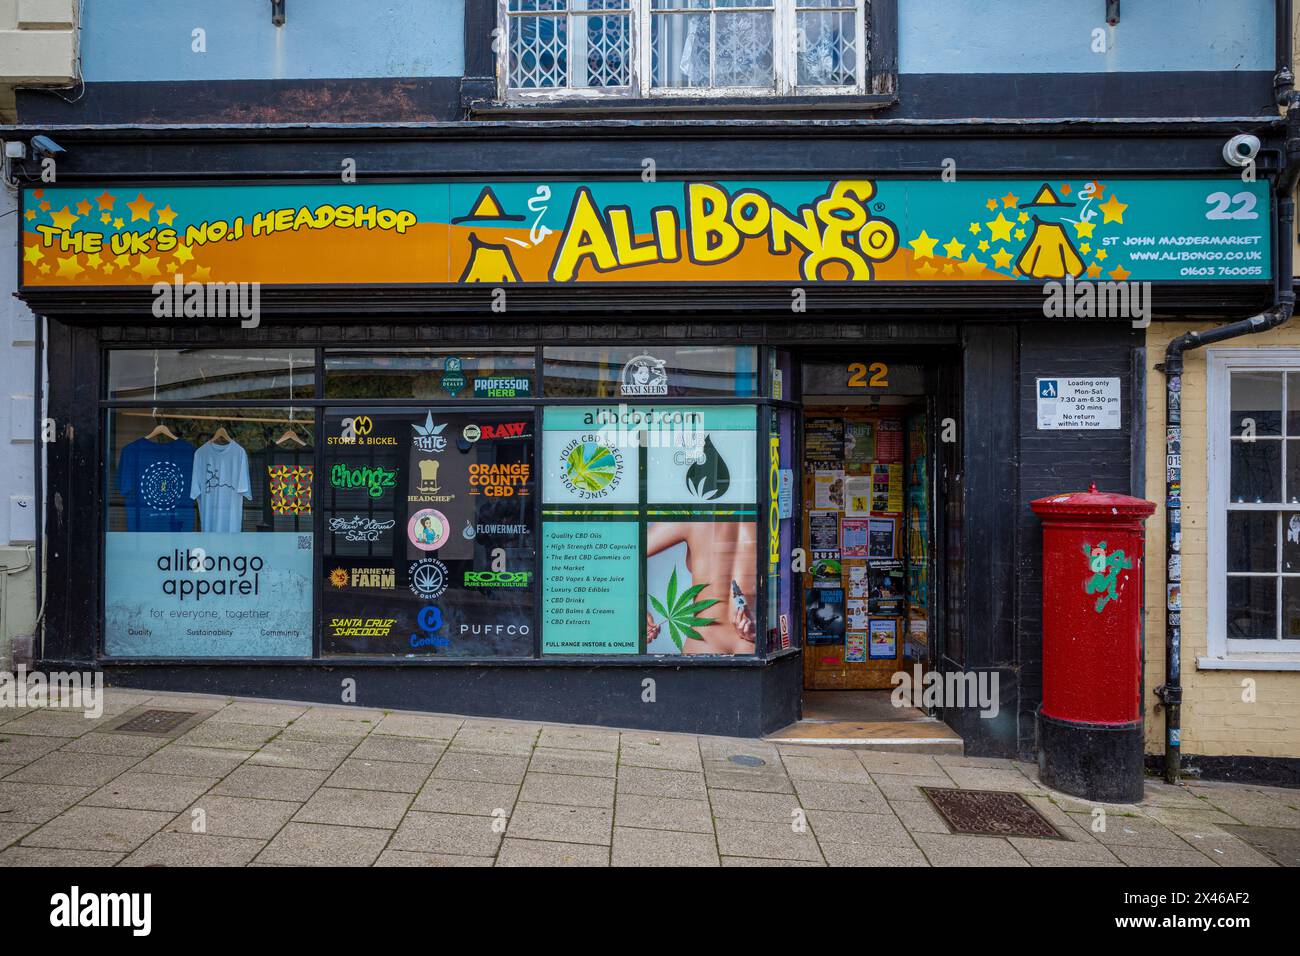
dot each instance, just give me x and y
(1090, 722)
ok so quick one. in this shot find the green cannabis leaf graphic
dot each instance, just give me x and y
(680, 614)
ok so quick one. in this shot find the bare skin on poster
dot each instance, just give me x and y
(721, 556)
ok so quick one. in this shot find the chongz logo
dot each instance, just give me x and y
(374, 480)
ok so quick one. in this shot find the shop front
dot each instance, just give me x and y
(652, 454)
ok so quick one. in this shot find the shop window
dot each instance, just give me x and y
(432, 374)
(637, 373)
(667, 48)
(1254, 494)
(650, 526)
(203, 374)
(209, 549)
(429, 522)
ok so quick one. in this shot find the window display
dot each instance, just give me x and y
(432, 374)
(187, 375)
(200, 561)
(638, 372)
(429, 521)
(649, 541)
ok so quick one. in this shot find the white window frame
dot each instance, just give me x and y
(1225, 652)
(784, 62)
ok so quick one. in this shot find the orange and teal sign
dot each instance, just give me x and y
(794, 231)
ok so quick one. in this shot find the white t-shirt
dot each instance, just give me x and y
(221, 484)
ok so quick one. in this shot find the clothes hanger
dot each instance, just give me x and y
(291, 436)
(221, 433)
(161, 429)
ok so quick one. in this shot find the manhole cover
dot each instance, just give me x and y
(745, 760)
(990, 813)
(160, 722)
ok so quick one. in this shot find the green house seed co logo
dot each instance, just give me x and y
(591, 468)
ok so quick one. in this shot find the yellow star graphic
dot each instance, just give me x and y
(1119, 274)
(63, 219)
(1101, 253)
(1084, 229)
(43, 206)
(1020, 233)
(972, 266)
(70, 266)
(992, 204)
(83, 207)
(1112, 210)
(923, 246)
(1002, 259)
(954, 249)
(1094, 271)
(984, 245)
(166, 215)
(974, 228)
(93, 260)
(29, 215)
(140, 208)
(1023, 217)
(1065, 189)
(45, 268)
(32, 254)
(108, 267)
(123, 261)
(146, 266)
(1000, 228)
(183, 252)
(924, 269)
(1009, 201)
(204, 273)
(105, 200)
(105, 217)
(117, 223)
(1085, 247)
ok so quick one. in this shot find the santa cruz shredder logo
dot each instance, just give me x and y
(591, 468)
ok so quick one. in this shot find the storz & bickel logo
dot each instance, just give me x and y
(644, 375)
(428, 437)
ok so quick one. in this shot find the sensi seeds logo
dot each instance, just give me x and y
(374, 480)
(592, 468)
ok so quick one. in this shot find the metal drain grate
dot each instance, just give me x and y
(161, 722)
(745, 760)
(990, 813)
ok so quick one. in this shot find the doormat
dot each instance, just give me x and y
(990, 813)
(159, 723)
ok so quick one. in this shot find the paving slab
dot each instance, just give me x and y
(416, 858)
(1130, 831)
(117, 745)
(60, 722)
(419, 726)
(314, 844)
(482, 767)
(12, 832)
(63, 768)
(399, 749)
(452, 833)
(466, 796)
(987, 778)
(639, 848)
(961, 850)
(358, 808)
(235, 816)
(875, 829)
(579, 738)
(776, 841)
(26, 856)
(588, 763)
(194, 849)
(656, 782)
(244, 712)
(380, 775)
(755, 780)
(35, 802)
(835, 766)
(150, 791)
(663, 813)
(662, 753)
(897, 787)
(98, 828)
(271, 783)
(748, 805)
(515, 852)
(229, 736)
(852, 797)
(545, 821)
(1279, 844)
(917, 765)
(563, 788)
(302, 754)
(187, 761)
(866, 854)
(1063, 853)
(24, 748)
(756, 861)
(1160, 856)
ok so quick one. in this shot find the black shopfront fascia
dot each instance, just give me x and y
(988, 340)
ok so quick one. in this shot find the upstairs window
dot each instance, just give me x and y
(623, 49)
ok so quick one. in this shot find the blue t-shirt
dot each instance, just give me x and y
(154, 478)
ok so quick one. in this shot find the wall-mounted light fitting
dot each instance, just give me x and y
(1112, 12)
(277, 12)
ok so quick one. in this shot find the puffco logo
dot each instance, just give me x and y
(208, 300)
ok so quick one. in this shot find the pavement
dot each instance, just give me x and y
(255, 783)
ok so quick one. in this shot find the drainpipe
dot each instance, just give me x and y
(1170, 692)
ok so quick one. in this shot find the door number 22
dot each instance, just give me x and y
(875, 375)
(1222, 203)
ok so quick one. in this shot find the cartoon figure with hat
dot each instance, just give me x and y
(488, 261)
(1048, 254)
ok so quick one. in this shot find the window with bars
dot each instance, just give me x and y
(1254, 543)
(667, 48)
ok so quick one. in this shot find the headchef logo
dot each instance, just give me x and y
(427, 489)
(428, 437)
(644, 375)
(429, 578)
(591, 468)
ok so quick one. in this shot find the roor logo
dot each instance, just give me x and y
(497, 579)
(592, 468)
(774, 508)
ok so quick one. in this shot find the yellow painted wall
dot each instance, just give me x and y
(1216, 721)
